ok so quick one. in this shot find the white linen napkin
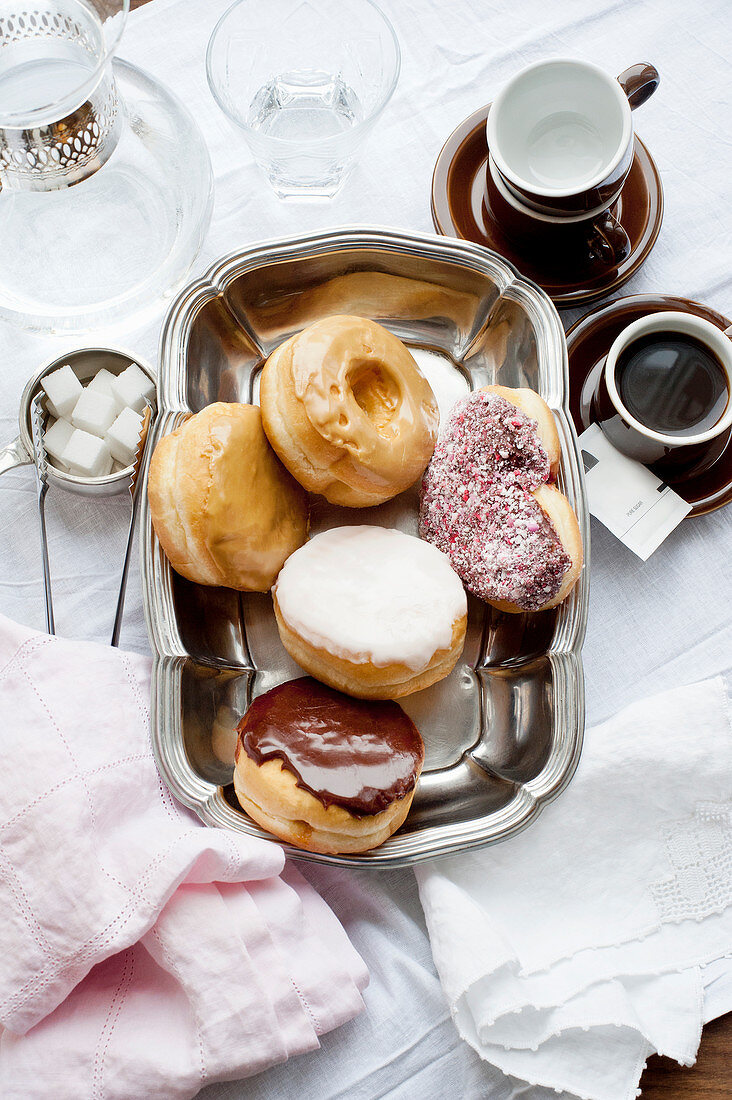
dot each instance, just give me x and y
(571, 952)
(142, 953)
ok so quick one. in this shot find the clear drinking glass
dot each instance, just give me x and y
(105, 180)
(305, 80)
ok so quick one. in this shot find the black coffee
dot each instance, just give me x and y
(672, 383)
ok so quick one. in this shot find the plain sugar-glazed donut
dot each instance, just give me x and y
(487, 502)
(348, 411)
(224, 508)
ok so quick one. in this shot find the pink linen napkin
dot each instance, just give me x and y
(142, 953)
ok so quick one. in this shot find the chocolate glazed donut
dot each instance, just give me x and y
(326, 772)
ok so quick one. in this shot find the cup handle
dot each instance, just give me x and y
(608, 243)
(639, 82)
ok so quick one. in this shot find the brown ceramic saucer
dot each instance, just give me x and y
(461, 208)
(588, 342)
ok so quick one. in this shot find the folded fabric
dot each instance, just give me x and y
(143, 954)
(573, 951)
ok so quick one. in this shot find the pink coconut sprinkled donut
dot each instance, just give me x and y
(488, 502)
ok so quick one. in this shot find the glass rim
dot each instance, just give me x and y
(67, 104)
(361, 125)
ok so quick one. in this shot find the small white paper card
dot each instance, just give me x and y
(626, 497)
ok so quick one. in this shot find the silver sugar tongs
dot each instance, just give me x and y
(134, 481)
(41, 465)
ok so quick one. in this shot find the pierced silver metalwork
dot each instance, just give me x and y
(64, 151)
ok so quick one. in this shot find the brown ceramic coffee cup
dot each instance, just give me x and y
(578, 242)
(561, 134)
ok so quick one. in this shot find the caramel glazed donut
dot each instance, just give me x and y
(486, 502)
(371, 611)
(325, 772)
(348, 411)
(224, 508)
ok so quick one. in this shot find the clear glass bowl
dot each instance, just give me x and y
(123, 238)
(305, 80)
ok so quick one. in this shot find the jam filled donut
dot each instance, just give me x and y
(371, 611)
(487, 503)
(348, 411)
(325, 772)
(224, 508)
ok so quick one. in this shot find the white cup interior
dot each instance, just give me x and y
(559, 127)
(689, 325)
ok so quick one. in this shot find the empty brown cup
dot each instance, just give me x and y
(561, 134)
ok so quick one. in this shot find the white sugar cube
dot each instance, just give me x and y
(55, 438)
(132, 388)
(63, 390)
(124, 435)
(145, 384)
(102, 381)
(94, 412)
(86, 455)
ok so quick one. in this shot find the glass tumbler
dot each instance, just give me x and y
(305, 80)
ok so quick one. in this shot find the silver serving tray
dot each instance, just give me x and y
(503, 732)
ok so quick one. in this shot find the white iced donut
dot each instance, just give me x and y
(371, 611)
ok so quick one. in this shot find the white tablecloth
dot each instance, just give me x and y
(652, 625)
